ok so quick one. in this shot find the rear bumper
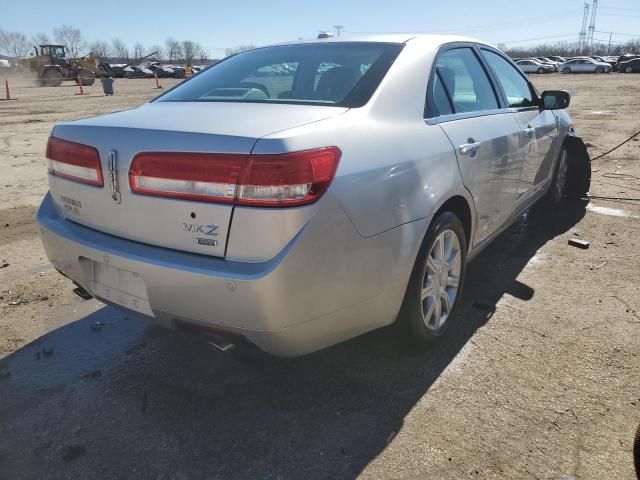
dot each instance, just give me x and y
(328, 285)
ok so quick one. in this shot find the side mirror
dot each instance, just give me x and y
(555, 100)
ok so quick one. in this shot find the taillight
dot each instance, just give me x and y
(74, 161)
(289, 179)
(192, 176)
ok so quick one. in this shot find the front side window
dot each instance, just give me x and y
(514, 85)
(340, 74)
(465, 81)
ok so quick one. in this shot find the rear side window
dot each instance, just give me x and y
(335, 73)
(440, 98)
(465, 81)
(516, 88)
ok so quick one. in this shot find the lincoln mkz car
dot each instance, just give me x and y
(297, 195)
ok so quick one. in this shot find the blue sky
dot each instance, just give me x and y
(218, 24)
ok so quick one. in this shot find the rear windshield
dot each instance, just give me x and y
(341, 74)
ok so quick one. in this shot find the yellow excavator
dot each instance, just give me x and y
(50, 66)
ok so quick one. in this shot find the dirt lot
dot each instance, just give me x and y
(539, 377)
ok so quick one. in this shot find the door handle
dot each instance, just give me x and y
(528, 132)
(469, 148)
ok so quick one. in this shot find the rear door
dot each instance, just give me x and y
(484, 135)
(539, 137)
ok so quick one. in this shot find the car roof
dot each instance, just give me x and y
(433, 39)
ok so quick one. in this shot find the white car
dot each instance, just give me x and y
(534, 66)
(585, 65)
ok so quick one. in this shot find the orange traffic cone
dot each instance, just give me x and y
(157, 82)
(79, 82)
(6, 90)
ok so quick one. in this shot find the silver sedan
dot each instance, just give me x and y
(584, 65)
(301, 194)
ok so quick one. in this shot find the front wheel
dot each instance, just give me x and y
(599, 70)
(566, 70)
(628, 70)
(557, 192)
(436, 281)
(541, 70)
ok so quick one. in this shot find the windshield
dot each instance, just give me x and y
(340, 74)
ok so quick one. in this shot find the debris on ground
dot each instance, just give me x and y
(576, 242)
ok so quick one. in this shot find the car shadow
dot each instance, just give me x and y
(113, 397)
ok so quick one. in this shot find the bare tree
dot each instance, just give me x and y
(240, 48)
(40, 39)
(14, 44)
(189, 49)
(173, 48)
(202, 53)
(70, 37)
(101, 49)
(157, 49)
(120, 49)
(138, 51)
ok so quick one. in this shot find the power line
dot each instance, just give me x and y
(620, 15)
(621, 34)
(476, 28)
(540, 38)
(622, 8)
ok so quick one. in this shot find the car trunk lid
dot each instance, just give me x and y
(187, 225)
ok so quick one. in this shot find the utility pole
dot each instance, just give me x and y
(609, 46)
(592, 24)
(338, 28)
(582, 36)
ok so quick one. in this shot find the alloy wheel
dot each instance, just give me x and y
(441, 279)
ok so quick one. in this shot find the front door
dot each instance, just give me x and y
(539, 133)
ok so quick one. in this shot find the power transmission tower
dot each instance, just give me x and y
(338, 28)
(582, 36)
(592, 25)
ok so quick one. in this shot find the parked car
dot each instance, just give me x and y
(548, 61)
(611, 61)
(557, 58)
(178, 71)
(161, 71)
(584, 65)
(355, 203)
(624, 58)
(118, 70)
(630, 66)
(534, 66)
(138, 72)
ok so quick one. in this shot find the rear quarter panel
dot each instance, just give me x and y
(394, 168)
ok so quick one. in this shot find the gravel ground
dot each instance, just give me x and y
(538, 377)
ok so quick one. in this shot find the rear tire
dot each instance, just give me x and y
(628, 70)
(566, 70)
(51, 78)
(540, 70)
(599, 70)
(436, 282)
(87, 77)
